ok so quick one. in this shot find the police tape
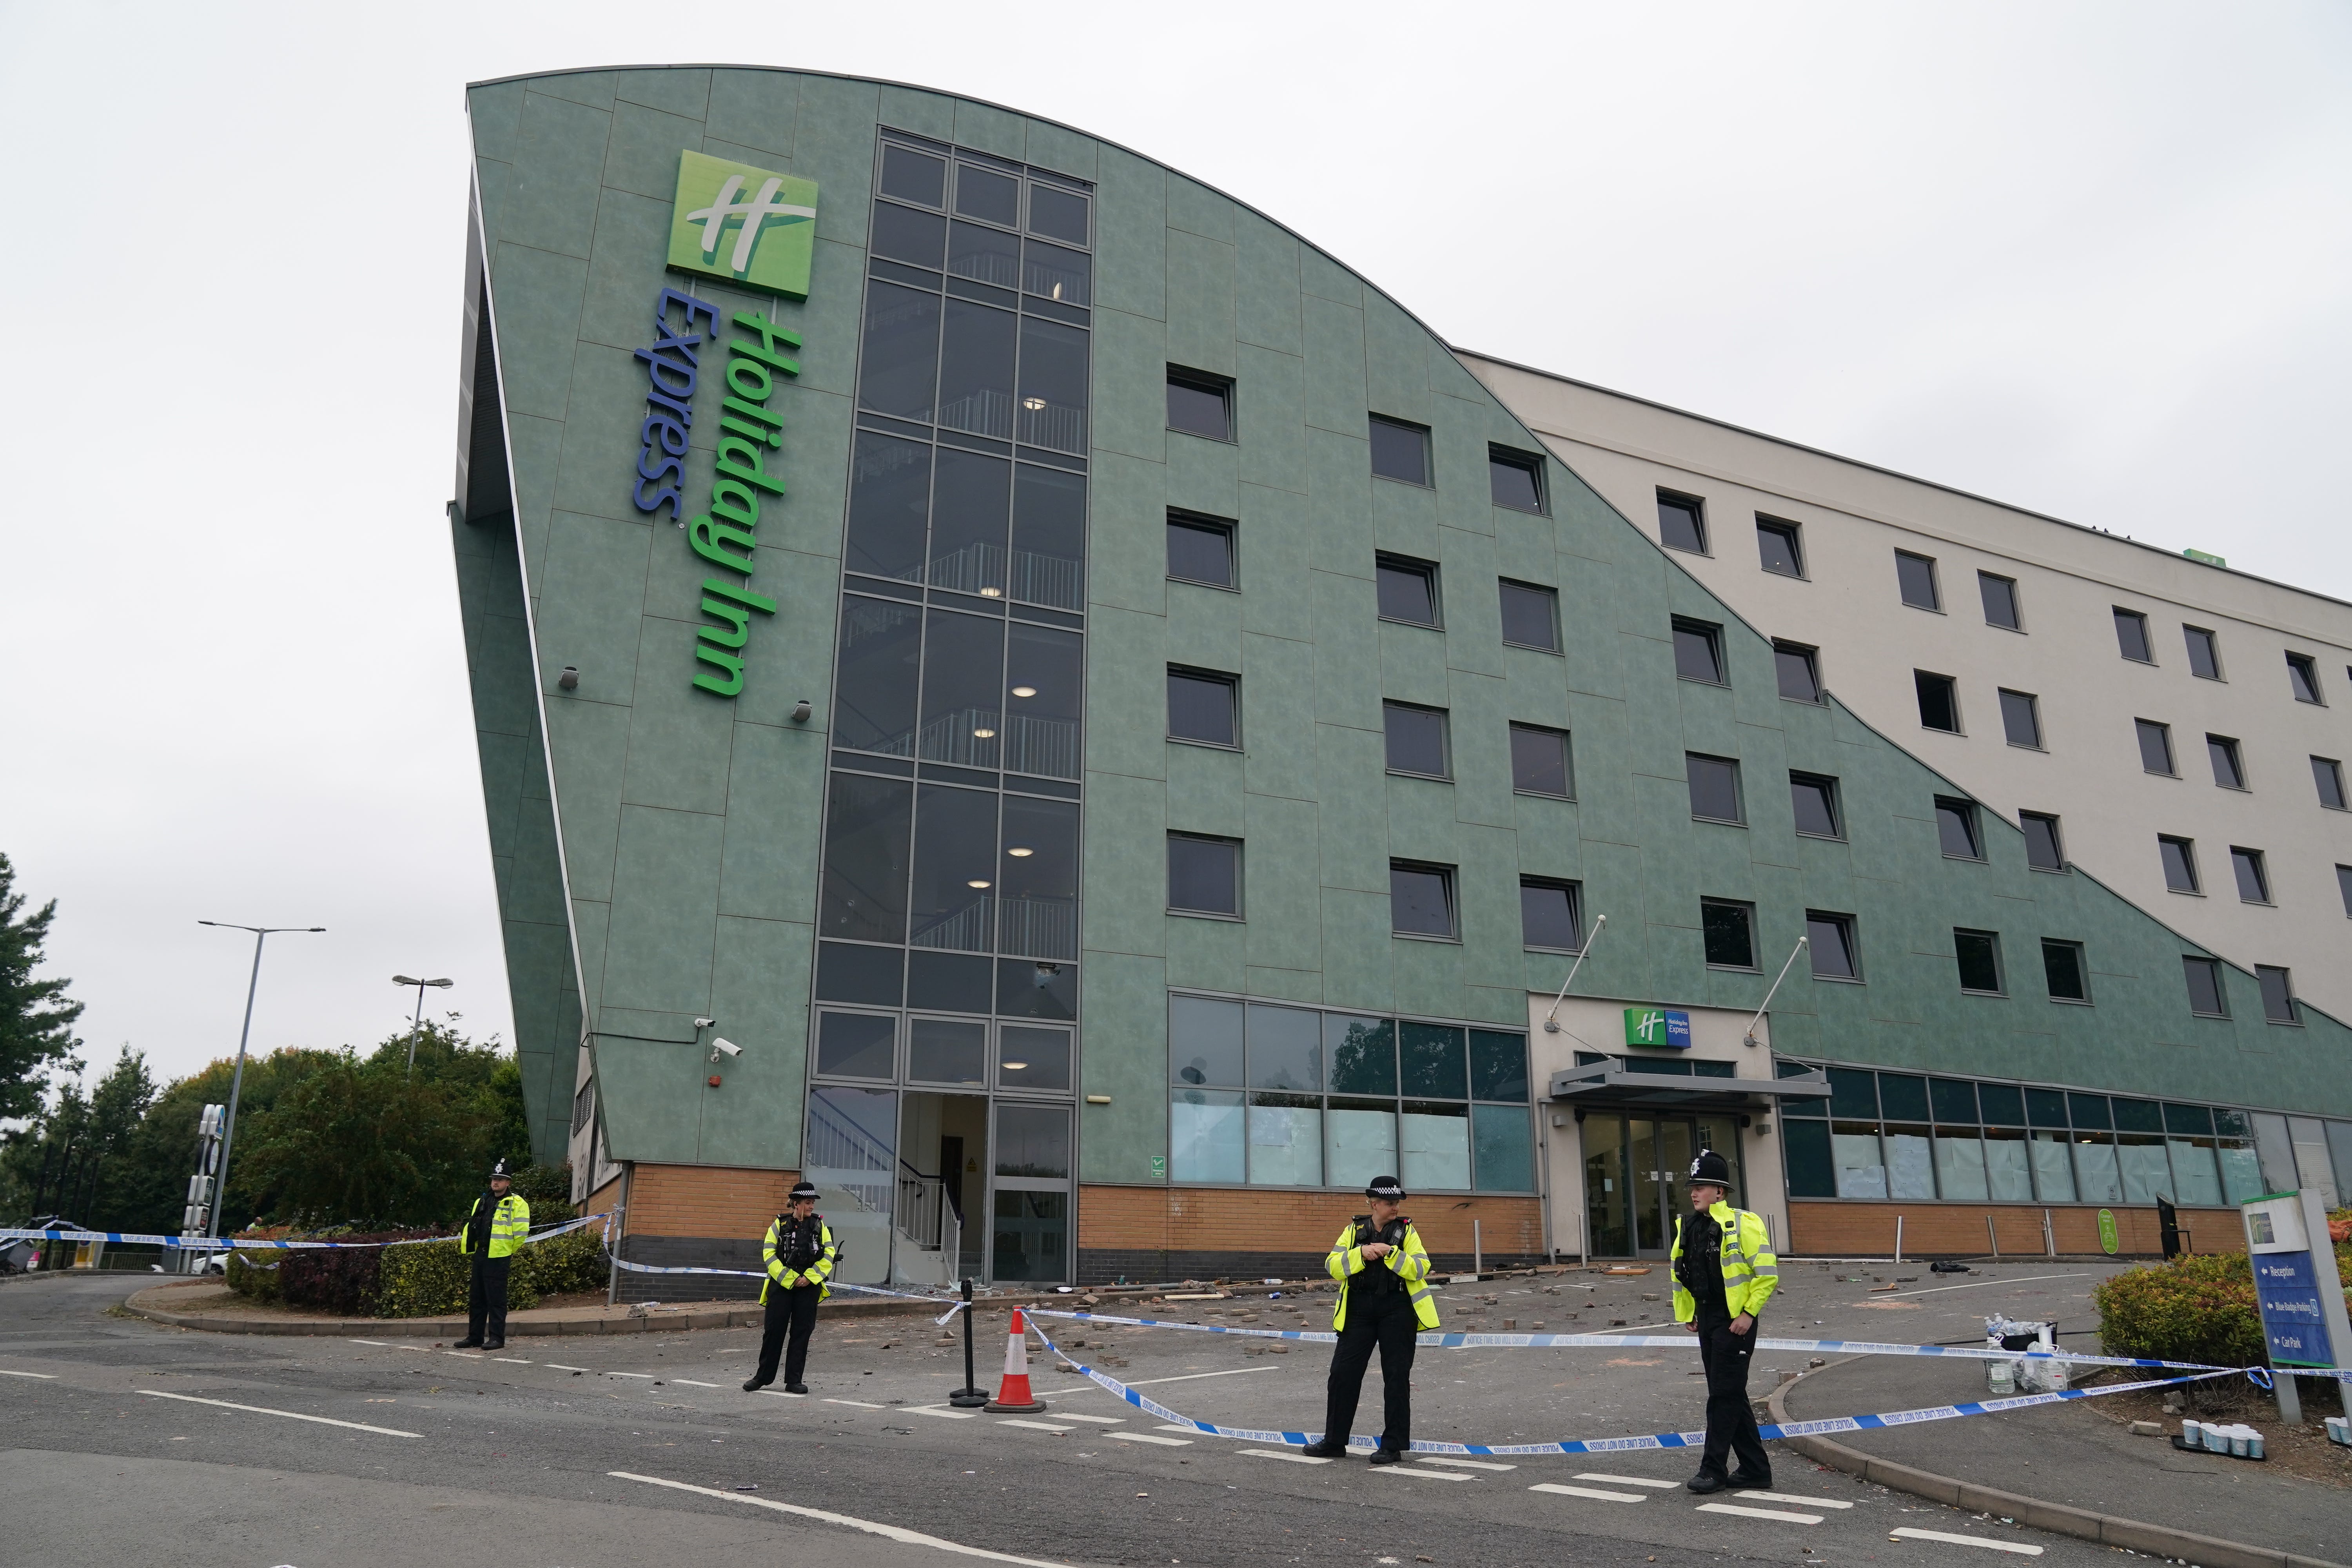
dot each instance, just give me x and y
(1459, 1342)
(1616, 1445)
(243, 1243)
(953, 1307)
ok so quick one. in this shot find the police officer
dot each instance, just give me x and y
(495, 1230)
(1724, 1273)
(798, 1254)
(1385, 1301)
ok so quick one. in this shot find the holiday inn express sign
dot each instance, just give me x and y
(742, 224)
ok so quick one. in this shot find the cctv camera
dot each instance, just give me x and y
(724, 1046)
(704, 1023)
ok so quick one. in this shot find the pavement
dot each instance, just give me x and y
(609, 1449)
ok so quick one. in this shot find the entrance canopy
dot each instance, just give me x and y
(1609, 1083)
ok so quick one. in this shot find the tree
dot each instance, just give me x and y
(36, 1020)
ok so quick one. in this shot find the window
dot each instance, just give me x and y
(2253, 877)
(2302, 678)
(2064, 972)
(2131, 636)
(2229, 767)
(1205, 875)
(2278, 994)
(1916, 576)
(2328, 775)
(1698, 651)
(1957, 829)
(1421, 900)
(2020, 719)
(1800, 676)
(1408, 590)
(1416, 740)
(1203, 706)
(1201, 550)
(1515, 480)
(2344, 886)
(2205, 996)
(1979, 953)
(1540, 762)
(1815, 797)
(2043, 852)
(2156, 747)
(2204, 653)
(1530, 615)
(1551, 916)
(1682, 522)
(1400, 451)
(1714, 788)
(1200, 405)
(1939, 701)
(1830, 938)
(1780, 547)
(857, 1045)
(2180, 856)
(1728, 930)
(1999, 597)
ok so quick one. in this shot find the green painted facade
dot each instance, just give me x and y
(675, 857)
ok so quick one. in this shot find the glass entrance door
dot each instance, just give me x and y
(1637, 1176)
(1661, 1151)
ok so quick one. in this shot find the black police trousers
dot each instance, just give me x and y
(486, 1299)
(1389, 1325)
(1730, 1419)
(794, 1310)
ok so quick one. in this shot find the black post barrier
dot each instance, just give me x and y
(968, 1397)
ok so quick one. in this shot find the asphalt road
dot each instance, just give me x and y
(127, 1442)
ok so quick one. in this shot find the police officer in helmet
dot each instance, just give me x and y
(798, 1255)
(1384, 1300)
(495, 1231)
(1724, 1273)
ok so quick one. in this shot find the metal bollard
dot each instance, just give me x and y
(968, 1397)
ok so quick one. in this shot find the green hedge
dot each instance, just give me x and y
(2200, 1308)
(430, 1278)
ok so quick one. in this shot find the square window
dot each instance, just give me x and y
(2253, 877)
(987, 194)
(1057, 214)
(1979, 953)
(1416, 740)
(1515, 480)
(1203, 706)
(1939, 701)
(1714, 788)
(1682, 522)
(2043, 852)
(1408, 590)
(1728, 930)
(1201, 550)
(913, 176)
(2278, 994)
(857, 1045)
(2179, 856)
(1957, 829)
(2020, 719)
(1200, 405)
(2328, 775)
(1798, 670)
(1421, 900)
(2131, 636)
(2204, 653)
(1915, 575)
(1815, 797)
(2064, 972)
(1551, 916)
(1205, 875)
(1530, 615)
(1540, 762)
(1999, 597)
(2205, 996)
(2229, 767)
(2156, 747)
(1698, 651)
(1400, 451)
(1780, 547)
(2302, 678)
(1830, 938)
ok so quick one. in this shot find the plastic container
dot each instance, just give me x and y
(2336, 1432)
(1997, 1381)
(2240, 1441)
(2193, 1433)
(2254, 1444)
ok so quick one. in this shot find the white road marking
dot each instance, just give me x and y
(889, 1531)
(1623, 1480)
(561, 1367)
(1189, 1377)
(861, 1404)
(942, 1415)
(1976, 1284)
(377, 1344)
(44, 1376)
(289, 1414)
(511, 1361)
(1466, 1464)
(1425, 1475)
(1760, 1513)
(1589, 1491)
(648, 1376)
(1105, 1420)
(779, 1393)
(1280, 1454)
(1800, 1501)
(691, 1384)
(1032, 1425)
(1149, 1437)
(2020, 1548)
(463, 1355)
(420, 1350)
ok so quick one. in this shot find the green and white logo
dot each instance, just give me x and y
(764, 240)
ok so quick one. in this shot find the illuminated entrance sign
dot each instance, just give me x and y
(1657, 1026)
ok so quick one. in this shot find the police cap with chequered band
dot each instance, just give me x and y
(1710, 1169)
(804, 1190)
(1386, 1187)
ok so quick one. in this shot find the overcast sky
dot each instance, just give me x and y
(2086, 259)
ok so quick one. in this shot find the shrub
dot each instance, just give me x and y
(2198, 1308)
(335, 1279)
(430, 1278)
(257, 1283)
(547, 1190)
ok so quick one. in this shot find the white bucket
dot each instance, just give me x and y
(2254, 1444)
(2193, 1433)
(2240, 1441)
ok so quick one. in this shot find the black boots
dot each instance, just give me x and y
(1326, 1449)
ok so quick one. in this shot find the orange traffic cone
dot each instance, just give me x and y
(1013, 1396)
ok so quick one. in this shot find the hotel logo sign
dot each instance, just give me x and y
(1666, 1026)
(749, 226)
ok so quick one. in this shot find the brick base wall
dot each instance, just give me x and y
(1153, 1234)
(696, 1200)
(1867, 1230)
(691, 1252)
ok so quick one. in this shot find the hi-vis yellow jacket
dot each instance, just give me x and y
(510, 1225)
(1750, 1271)
(780, 1277)
(1409, 1263)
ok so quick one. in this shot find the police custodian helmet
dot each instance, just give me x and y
(1710, 1169)
(804, 1190)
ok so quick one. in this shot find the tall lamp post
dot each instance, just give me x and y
(237, 1081)
(416, 1023)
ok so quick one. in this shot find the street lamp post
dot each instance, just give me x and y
(416, 1023)
(237, 1079)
